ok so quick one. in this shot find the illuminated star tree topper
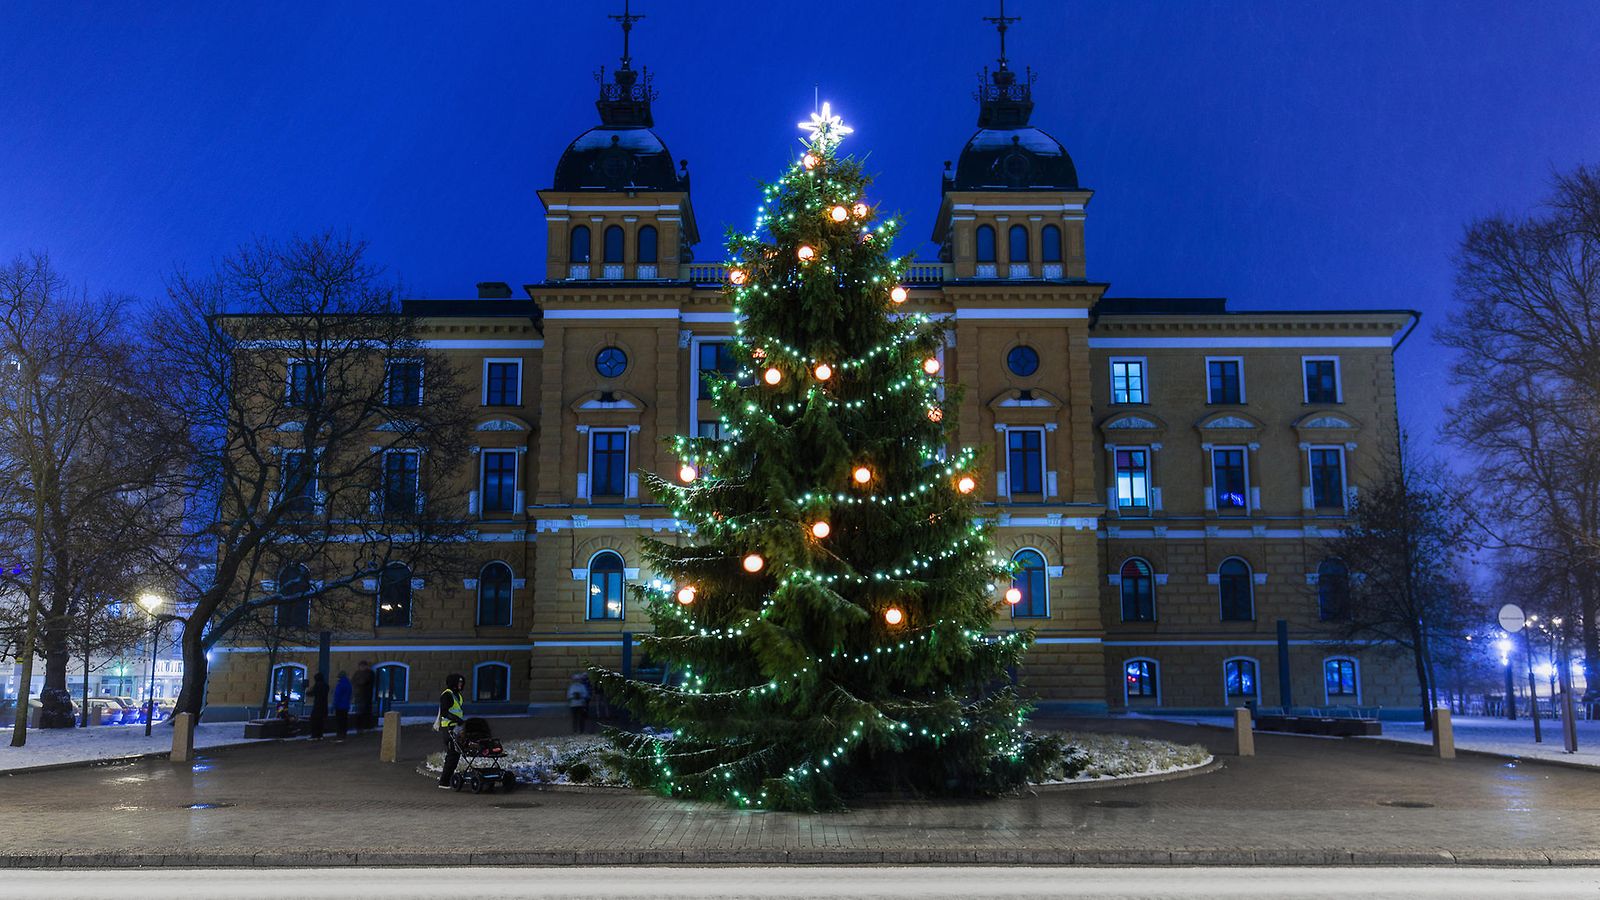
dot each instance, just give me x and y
(826, 130)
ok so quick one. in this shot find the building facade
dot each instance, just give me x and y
(1165, 471)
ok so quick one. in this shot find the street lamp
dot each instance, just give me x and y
(151, 602)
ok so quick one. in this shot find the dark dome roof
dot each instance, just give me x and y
(1014, 159)
(611, 158)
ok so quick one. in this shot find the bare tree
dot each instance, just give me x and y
(322, 433)
(1527, 334)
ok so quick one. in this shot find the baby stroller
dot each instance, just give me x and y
(481, 753)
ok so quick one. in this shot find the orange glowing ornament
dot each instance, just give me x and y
(685, 596)
(1014, 596)
(893, 615)
(810, 161)
(899, 293)
(838, 214)
(862, 475)
(688, 473)
(967, 484)
(820, 530)
(772, 376)
(806, 253)
(930, 365)
(860, 210)
(823, 371)
(753, 563)
(738, 276)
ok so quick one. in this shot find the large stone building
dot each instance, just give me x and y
(1165, 470)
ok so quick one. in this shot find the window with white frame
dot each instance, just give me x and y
(294, 581)
(392, 684)
(1333, 590)
(394, 596)
(304, 384)
(401, 470)
(491, 682)
(1230, 480)
(1236, 591)
(499, 481)
(1239, 680)
(606, 579)
(1327, 477)
(713, 358)
(1128, 381)
(1322, 379)
(1224, 380)
(502, 382)
(1339, 680)
(1141, 681)
(608, 464)
(1132, 465)
(1030, 579)
(288, 683)
(494, 595)
(1138, 588)
(403, 383)
(709, 428)
(298, 486)
(1025, 460)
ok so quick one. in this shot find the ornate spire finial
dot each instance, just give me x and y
(1001, 23)
(627, 19)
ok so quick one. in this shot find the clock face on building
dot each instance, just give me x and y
(610, 362)
(1022, 361)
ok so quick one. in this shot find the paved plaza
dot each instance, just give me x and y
(1300, 801)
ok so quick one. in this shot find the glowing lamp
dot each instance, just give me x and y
(688, 473)
(685, 595)
(862, 475)
(738, 276)
(753, 563)
(823, 371)
(820, 530)
(839, 214)
(806, 253)
(860, 210)
(1014, 596)
(809, 161)
(772, 376)
(967, 484)
(893, 615)
(930, 365)
(935, 414)
(899, 293)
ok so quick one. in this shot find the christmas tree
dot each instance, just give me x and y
(827, 624)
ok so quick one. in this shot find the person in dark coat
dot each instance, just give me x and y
(319, 706)
(362, 682)
(343, 695)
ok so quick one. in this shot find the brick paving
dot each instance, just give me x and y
(1299, 801)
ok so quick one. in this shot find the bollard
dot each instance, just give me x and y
(1444, 736)
(182, 737)
(1244, 735)
(390, 751)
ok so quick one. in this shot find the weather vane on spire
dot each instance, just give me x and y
(826, 129)
(627, 19)
(1001, 23)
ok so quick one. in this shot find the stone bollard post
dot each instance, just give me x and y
(1444, 735)
(182, 737)
(1244, 735)
(390, 751)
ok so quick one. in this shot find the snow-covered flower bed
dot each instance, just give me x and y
(584, 759)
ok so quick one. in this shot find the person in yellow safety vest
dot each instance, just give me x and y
(450, 716)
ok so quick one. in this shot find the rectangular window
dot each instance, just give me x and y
(299, 483)
(305, 384)
(1224, 381)
(1025, 460)
(1228, 480)
(709, 428)
(608, 463)
(1322, 380)
(1133, 478)
(403, 386)
(1339, 675)
(400, 483)
(499, 481)
(502, 382)
(715, 357)
(494, 684)
(1127, 381)
(1327, 477)
(1240, 677)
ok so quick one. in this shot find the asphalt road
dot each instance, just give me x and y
(781, 883)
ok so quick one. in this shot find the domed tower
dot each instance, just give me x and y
(619, 208)
(1013, 207)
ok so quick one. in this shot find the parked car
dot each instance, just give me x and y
(128, 703)
(113, 711)
(8, 708)
(164, 709)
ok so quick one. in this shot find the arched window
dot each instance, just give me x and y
(394, 596)
(1235, 591)
(491, 682)
(1017, 238)
(1140, 682)
(647, 244)
(578, 250)
(1339, 681)
(613, 243)
(1239, 680)
(288, 683)
(1333, 589)
(605, 586)
(391, 684)
(494, 595)
(293, 579)
(1050, 243)
(986, 243)
(1138, 592)
(1030, 580)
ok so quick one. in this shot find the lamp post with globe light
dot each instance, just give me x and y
(151, 602)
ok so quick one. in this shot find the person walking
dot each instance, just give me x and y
(319, 706)
(450, 716)
(361, 682)
(578, 700)
(343, 693)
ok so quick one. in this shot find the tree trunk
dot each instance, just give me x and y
(83, 713)
(266, 692)
(1418, 657)
(1590, 600)
(192, 696)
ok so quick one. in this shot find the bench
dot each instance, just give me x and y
(1336, 721)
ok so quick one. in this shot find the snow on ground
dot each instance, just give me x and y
(1481, 733)
(55, 746)
(581, 759)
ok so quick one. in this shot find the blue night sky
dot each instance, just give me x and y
(1281, 154)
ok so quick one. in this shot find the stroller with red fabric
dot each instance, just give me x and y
(481, 755)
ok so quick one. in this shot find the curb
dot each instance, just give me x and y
(1107, 857)
(1204, 768)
